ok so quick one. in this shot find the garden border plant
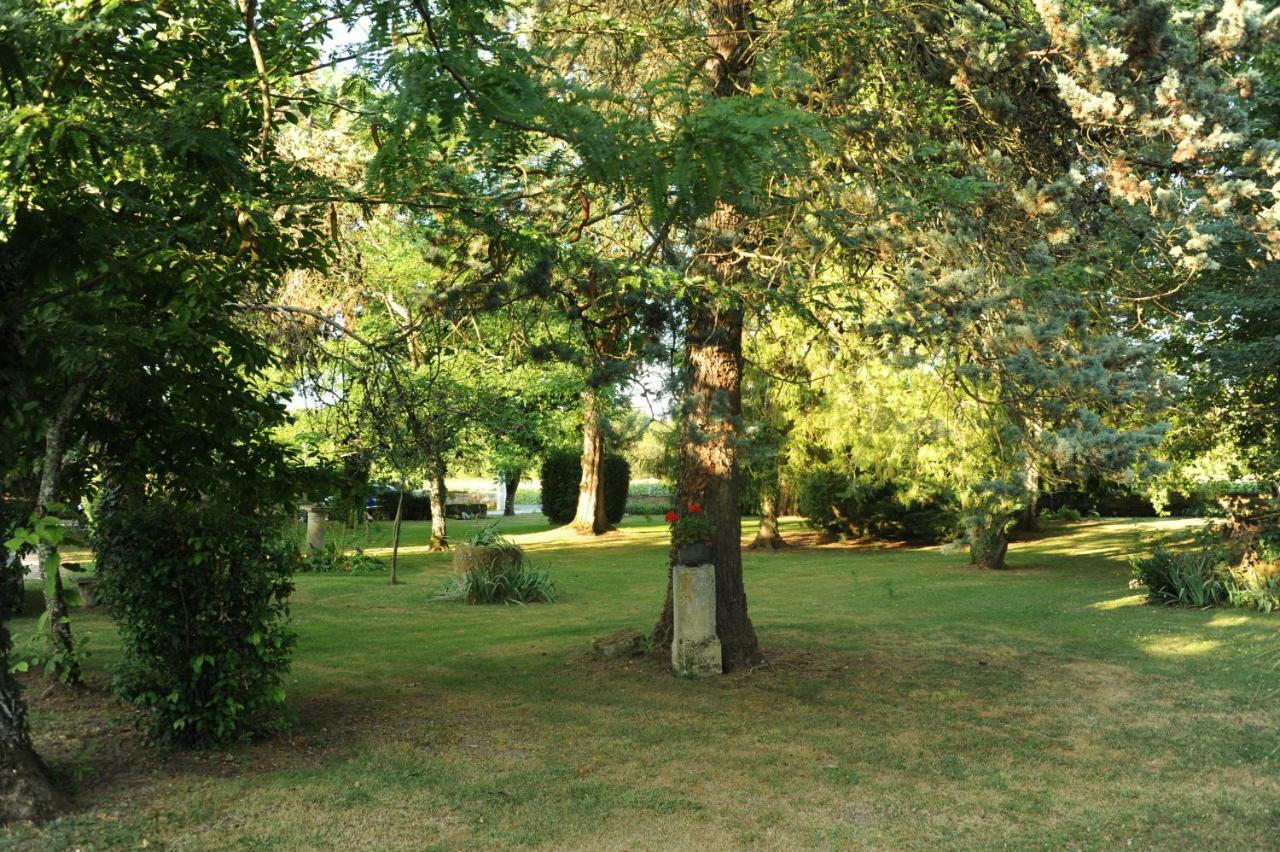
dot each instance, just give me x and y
(200, 594)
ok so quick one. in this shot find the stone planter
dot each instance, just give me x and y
(316, 516)
(694, 553)
(495, 560)
(87, 585)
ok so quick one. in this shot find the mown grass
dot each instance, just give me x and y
(907, 701)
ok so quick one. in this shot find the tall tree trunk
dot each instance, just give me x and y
(395, 534)
(438, 498)
(55, 447)
(590, 518)
(708, 450)
(26, 792)
(989, 549)
(1029, 519)
(767, 536)
(511, 479)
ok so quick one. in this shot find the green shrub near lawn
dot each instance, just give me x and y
(199, 592)
(1202, 578)
(835, 502)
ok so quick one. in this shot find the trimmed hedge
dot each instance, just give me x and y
(617, 485)
(561, 476)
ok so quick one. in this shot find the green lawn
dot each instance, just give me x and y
(907, 700)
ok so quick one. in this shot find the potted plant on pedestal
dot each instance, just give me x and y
(691, 534)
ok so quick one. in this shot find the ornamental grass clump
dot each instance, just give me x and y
(505, 577)
(1195, 578)
(1203, 578)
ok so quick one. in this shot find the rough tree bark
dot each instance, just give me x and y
(590, 519)
(989, 550)
(767, 536)
(438, 495)
(55, 447)
(26, 792)
(708, 450)
(511, 479)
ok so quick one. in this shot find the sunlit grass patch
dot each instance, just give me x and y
(904, 695)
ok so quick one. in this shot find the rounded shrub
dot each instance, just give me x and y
(199, 592)
(837, 503)
(822, 495)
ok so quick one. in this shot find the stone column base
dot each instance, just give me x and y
(695, 648)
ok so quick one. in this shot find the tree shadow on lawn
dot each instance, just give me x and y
(101, 756)
(890, 709)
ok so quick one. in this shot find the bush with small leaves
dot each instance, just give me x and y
(200, 593)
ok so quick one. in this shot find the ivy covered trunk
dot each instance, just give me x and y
(26, 792)
(988, 542)
(590, 519)
(767, 536)
(55, 446)
(713, 344)
(438, 496)
(511, 480)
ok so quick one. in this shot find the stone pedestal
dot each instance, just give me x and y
(695, 648)
(87, 585)
(316, 516)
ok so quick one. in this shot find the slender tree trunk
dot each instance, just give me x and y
(1029, 519)
(590, 518)
(438, 497)
(395, 534)
(55, 447)
(768, 537)
(511, 479)
(709, 451)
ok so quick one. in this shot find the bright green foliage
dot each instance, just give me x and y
(140, 204)
(689, 527)
(1203, 578)
(334, 560)
(520, 585)
(506, 577)
(200, 594)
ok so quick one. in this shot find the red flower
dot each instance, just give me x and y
(695, 508)
(671, 517)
